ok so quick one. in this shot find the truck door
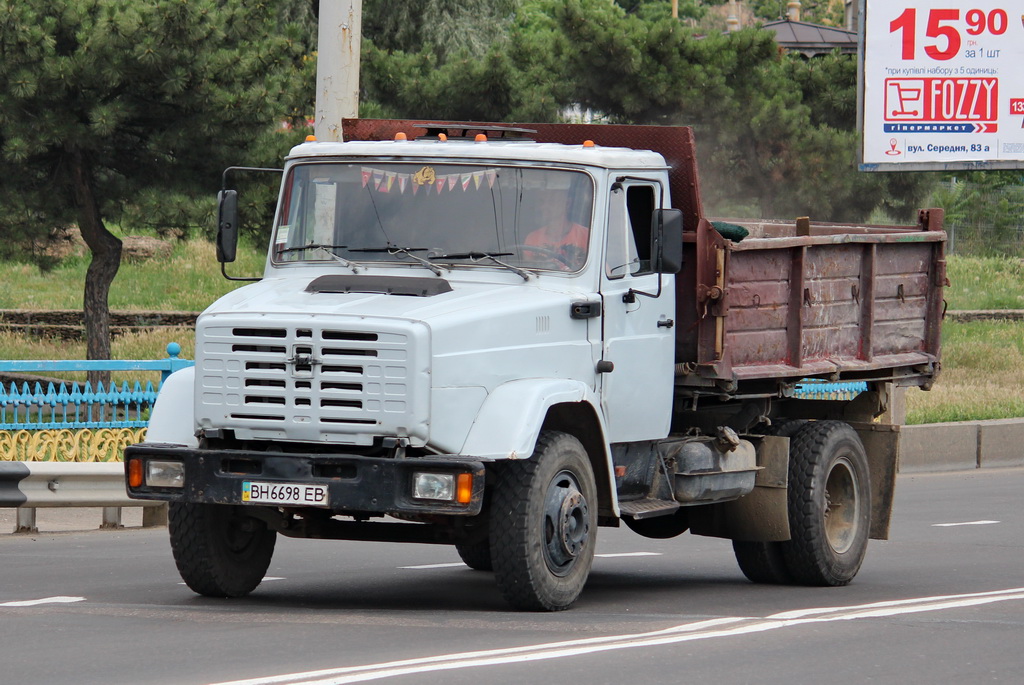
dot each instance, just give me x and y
(638, 333)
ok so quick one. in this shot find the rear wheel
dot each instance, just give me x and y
(543, 524)
(219, 551)
(763, 562)
(829, 505)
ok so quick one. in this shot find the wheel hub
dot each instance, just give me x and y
(841, 506)
(566, 524)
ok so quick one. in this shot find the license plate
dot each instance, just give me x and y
(299, 494)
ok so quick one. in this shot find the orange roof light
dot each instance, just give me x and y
(588, 143)
(310, 138)
(401, 136)
(481, 138)
(442, 137)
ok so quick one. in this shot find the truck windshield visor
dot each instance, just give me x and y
(451, 214)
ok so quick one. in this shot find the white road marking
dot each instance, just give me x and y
(965, 523)
(703, 630)
(629, 554)
(45, 600)
(425, 566)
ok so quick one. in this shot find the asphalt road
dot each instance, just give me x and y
(942, 601)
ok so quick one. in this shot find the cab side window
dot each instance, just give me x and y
(629, 231)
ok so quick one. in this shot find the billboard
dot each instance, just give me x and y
(942, 85)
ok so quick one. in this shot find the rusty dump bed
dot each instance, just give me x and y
(798, 299)
(792, 299)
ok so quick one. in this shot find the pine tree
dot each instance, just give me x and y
(102, 101)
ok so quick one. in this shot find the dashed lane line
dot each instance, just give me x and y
(964, 523)
(45, 600)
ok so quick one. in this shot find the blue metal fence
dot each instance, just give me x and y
(75, 406)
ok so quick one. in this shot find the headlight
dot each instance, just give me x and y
(438, 486)
(165, 474)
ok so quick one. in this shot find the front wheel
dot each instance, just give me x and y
(476, 555)
(219, 551)
(543, 524)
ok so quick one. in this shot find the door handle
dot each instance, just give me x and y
(666, 323)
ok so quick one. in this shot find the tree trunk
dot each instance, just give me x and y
(106, 259)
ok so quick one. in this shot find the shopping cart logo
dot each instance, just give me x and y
(967, 100)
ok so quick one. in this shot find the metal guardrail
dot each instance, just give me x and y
(31, 485)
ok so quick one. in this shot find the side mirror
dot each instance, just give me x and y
(227, 225)
(667, 241)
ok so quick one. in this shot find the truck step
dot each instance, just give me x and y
(648, 508)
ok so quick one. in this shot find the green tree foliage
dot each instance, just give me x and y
(662, 9)
(828, 12)
(984, 212)
(438, 27)
(103, 102)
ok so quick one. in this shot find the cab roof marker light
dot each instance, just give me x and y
(401, 136)
(442, 137)
(588, 143)
(481, 138)
(311, 138)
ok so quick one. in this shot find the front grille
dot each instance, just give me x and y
(339, 384)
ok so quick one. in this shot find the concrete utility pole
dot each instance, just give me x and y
(339, 35)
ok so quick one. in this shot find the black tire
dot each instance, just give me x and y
(476, 555)
(543, 525)
(660, 527)
(219, 551)
(764, 562)
(829, 505)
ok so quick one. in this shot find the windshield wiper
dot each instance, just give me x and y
(312, 246)
(490, 256)
(408, 252)
(329, 249)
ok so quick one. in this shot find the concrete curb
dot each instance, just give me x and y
(997, 443)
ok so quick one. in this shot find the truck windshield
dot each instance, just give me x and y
(534, 218)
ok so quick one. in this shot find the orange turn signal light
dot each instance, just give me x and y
(464, 488)
(135, 473)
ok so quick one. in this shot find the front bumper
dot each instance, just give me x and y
(355, 484)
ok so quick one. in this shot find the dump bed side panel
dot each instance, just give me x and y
(815, 300)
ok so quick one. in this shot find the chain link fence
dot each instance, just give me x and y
(983, 220)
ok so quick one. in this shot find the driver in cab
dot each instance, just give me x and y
(559, 241)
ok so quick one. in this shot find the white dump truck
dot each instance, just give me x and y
(503, 338)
